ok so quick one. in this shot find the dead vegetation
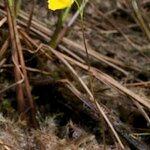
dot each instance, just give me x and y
(90, 89)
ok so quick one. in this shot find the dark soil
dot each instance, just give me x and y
(67, 122)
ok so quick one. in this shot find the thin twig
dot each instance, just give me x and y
(30, 16)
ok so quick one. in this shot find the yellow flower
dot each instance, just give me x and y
(59, 4)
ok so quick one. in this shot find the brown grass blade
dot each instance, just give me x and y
(111, 82)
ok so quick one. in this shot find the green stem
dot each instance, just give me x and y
(57, 31)
(59, 25)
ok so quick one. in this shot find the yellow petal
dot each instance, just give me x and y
(59, 4)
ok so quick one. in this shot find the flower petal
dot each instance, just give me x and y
(59, 4)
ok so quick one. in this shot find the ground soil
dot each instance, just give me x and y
(66, 123)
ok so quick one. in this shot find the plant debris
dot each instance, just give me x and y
(84, 87)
